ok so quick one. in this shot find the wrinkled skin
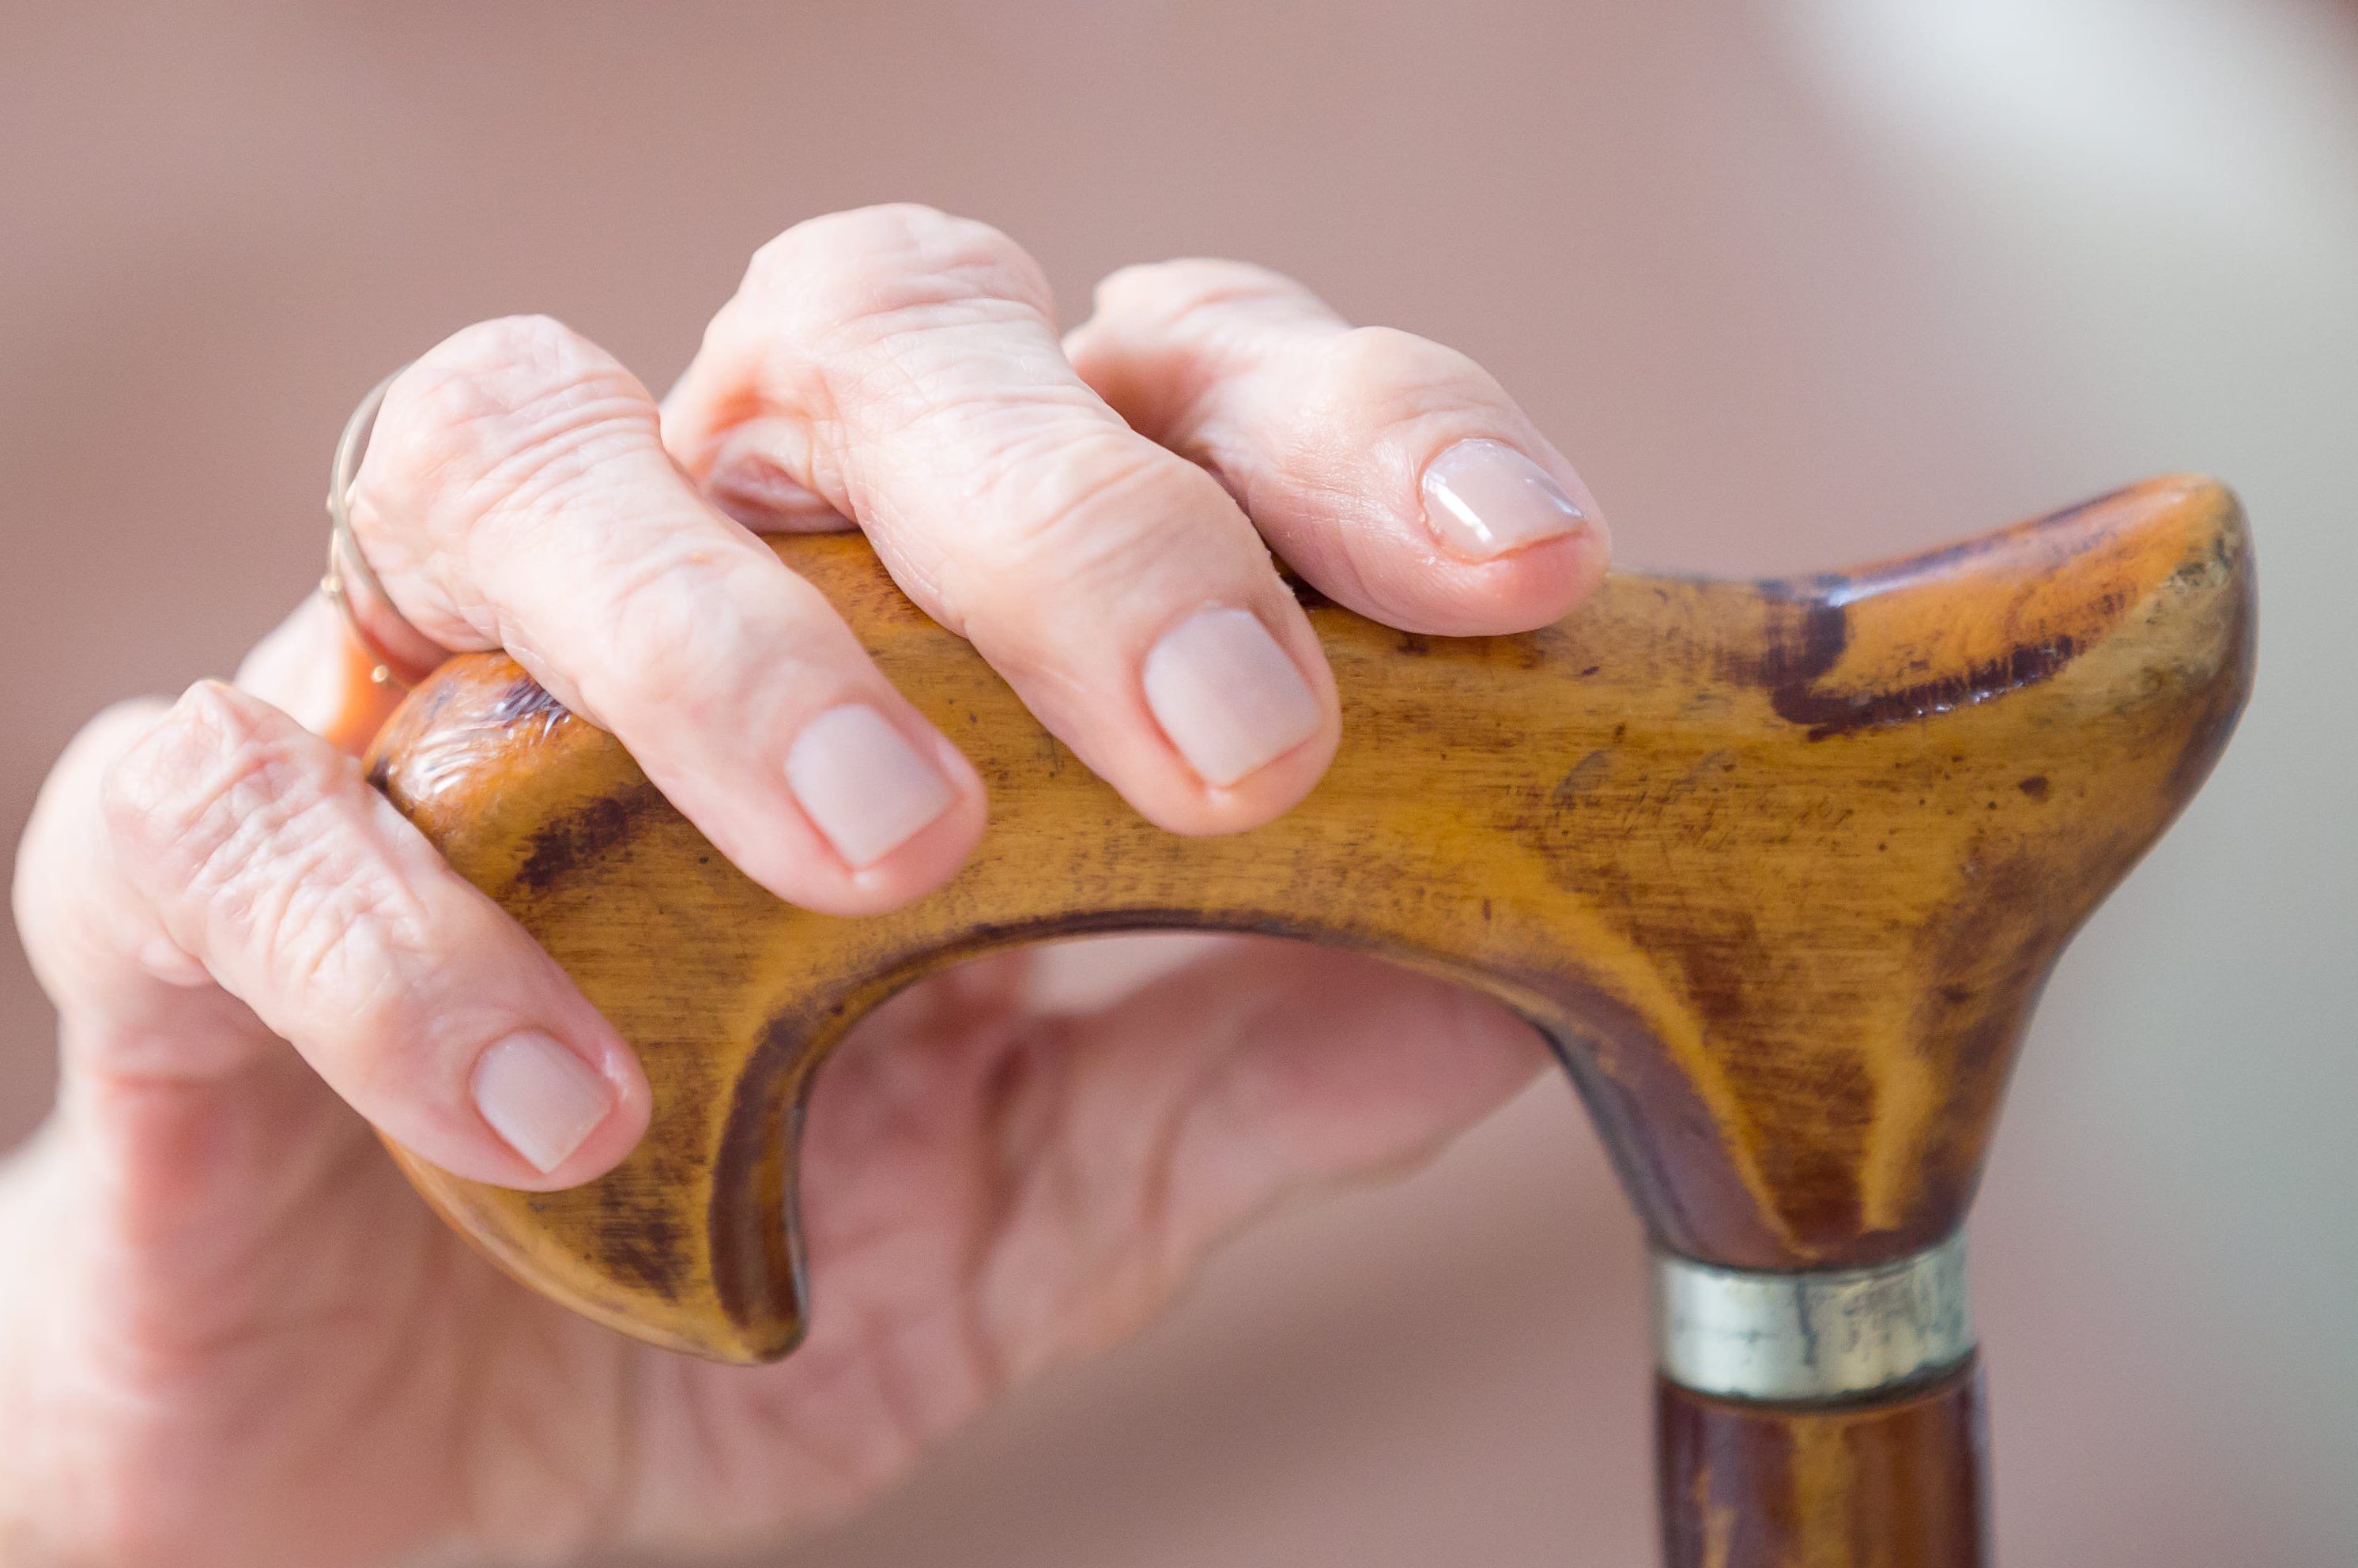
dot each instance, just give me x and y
(231, 1335)
(246, 1341)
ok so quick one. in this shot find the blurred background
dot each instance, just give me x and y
(1795, 282)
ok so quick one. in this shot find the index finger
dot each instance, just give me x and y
(516, 495)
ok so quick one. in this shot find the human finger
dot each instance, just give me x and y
(516, 494)
(246, 851)
(903, 365)
(1393, 473)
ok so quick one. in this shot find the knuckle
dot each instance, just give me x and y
(1177, 294)
(1098, 518)
(670, 625)
(334, 920)
(1369, 380)
(876, 265)
(527, 343)
(197, 799)
(494, 417)
(174, 800)
(1385, 363)
(1057, 500)
(228, 813)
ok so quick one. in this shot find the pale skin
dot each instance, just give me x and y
(229, 1331)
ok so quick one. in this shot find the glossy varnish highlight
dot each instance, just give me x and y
(1779, 867)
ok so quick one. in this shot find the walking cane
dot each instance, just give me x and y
(1777, 867)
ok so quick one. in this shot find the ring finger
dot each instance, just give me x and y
(902, 366)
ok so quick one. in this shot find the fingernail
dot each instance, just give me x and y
(862, 783)
(1227, 695)
(1482, 499)
(540, 1096)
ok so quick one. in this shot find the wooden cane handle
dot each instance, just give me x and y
(1779, 866)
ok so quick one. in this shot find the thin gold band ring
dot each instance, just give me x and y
(352, 584)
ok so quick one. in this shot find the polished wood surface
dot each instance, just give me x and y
(1900, 1482)
(1779, 866)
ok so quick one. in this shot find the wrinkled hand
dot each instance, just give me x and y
(229, 1331)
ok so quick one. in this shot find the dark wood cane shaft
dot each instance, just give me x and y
(1898, 1482)
(1781, 867)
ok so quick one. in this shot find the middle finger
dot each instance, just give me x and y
(901, 365)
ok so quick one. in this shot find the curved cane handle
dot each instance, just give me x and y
(1779, 866)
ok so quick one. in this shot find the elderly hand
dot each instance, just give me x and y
(229, 1331)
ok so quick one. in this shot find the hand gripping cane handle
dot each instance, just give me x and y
(1779, 867)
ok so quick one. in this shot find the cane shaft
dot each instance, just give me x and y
(1898, 1480)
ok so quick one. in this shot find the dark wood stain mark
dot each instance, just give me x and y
(647, 1244)
(1840, 713)
(1803, 645)
(1580, 778)
(1686, 783)
(1797, 659)
(583, 836)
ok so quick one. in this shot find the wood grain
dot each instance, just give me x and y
(1780, 868)
(1901, 1482)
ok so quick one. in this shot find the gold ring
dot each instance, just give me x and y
(350, 578)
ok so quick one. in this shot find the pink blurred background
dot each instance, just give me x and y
(1795, 284)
